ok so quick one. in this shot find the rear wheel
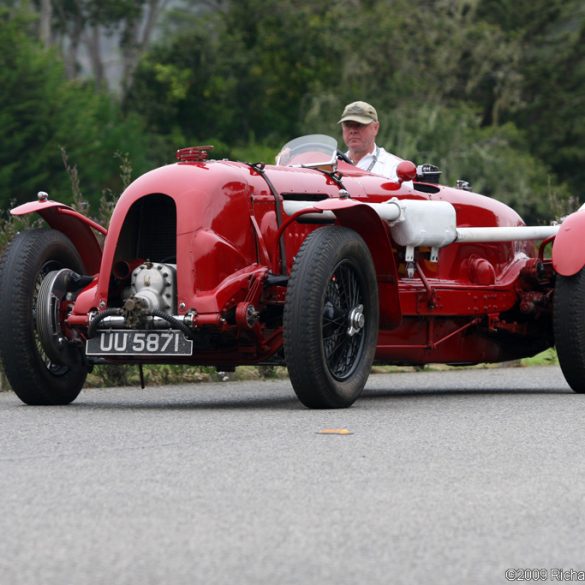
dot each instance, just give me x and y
(331, 318)
(39, 372)
(569, 328)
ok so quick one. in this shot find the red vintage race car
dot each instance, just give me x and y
(310, 262)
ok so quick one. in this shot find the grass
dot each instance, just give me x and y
(546, 358)
(160, 375)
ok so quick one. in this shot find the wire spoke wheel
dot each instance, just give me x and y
(331, 318)
(342, 345)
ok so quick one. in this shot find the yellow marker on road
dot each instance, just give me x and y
(335, 432)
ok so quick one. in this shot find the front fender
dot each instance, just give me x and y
(368, 224)
(568, 251)
(73, 224)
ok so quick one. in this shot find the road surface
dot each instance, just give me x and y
(441, 478)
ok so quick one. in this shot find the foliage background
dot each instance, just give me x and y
(492, 91)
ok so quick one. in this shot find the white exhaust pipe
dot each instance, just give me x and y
(506, 234)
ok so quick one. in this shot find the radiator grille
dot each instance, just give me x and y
(150, 230)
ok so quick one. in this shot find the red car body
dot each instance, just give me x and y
(226, 236)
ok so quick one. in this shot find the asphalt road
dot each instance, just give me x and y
(447, 478)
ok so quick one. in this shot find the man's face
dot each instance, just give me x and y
(359, 138)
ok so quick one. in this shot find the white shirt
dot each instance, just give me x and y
(380, 162)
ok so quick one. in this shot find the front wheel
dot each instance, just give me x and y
(569, 328)
(331, 318)
(34, 373)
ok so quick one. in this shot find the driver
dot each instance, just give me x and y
(359, 123)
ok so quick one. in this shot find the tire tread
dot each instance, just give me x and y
(23, 366)
(302, 319)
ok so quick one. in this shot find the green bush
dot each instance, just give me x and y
(41, 112)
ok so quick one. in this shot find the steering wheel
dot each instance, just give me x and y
(342, 156)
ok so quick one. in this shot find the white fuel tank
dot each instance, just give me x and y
(424, 223)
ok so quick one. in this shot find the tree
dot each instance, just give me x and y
(243, 73)
(552, 90)
(446, 77)
(42, 112)
(78, 27)
(489, 88)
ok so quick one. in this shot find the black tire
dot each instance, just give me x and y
(569, 328)
(31, 373)
(332, 275)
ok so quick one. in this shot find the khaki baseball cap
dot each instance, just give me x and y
(361, 112)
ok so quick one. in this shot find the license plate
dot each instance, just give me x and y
(114, 342)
